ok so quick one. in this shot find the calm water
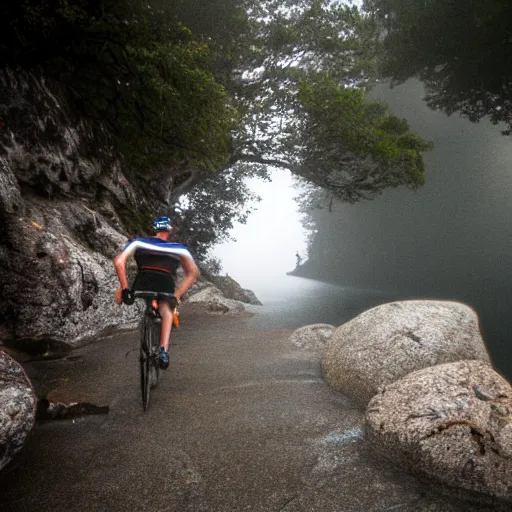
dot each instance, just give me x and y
(291, 302)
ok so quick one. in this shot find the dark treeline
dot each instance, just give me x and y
(197, 96)
(460, 49)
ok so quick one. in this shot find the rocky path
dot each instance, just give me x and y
(241, 421)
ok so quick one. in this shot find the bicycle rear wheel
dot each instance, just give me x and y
(145, 360)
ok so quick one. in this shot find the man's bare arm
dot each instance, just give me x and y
(191, 274)
(120, 265)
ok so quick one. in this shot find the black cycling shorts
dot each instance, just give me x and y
(154, 281)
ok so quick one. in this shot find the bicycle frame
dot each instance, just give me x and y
(149, 344)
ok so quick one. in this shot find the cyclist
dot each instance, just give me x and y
(157, 261)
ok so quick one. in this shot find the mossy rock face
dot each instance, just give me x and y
(232, 290)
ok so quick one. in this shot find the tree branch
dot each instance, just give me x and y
(258, 159)
(184, 187)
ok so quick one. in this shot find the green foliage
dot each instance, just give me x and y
(175, 109)
(304, 103)
(132, 69)
(353, 147)
(212, 207)
(211, 267)
(460, 49)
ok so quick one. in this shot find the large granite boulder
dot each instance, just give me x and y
(312, 337)
(389, 341)
(17, 408)
(212, 301)
(452, 423)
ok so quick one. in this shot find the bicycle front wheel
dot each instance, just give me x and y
(145, 361)
(155, 347)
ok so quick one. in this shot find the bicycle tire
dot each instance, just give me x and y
(155, 346)
(145, 361)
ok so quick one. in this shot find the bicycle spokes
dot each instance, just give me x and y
(149, 355)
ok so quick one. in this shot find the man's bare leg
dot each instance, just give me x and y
(165, 330)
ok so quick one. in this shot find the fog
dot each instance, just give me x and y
(457, 224)
(265, 248)
(450, 239)
(455, 229)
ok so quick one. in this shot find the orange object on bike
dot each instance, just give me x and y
(175, 318)
(155, 304)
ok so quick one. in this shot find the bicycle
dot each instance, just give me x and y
(149, 344)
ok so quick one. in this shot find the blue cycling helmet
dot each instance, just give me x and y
(162, 224)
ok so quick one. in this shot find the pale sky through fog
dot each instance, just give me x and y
(266, 245)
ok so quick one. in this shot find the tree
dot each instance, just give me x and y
(210, 209)
(257, 84)
(354, 148)
(130, 69)
(303, 99)
(297, 73)
(460, 49)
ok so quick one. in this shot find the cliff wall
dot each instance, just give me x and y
(64, 202)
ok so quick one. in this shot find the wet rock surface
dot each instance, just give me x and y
(58, 278)
(312, 337)
(242, 420)
(211, 300)
(232, 290)
(389, 341)
(17, 408)
(451, 422)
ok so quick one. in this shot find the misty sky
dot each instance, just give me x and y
(266, 245)
(457, 225)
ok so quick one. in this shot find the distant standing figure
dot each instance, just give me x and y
(299, 259)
